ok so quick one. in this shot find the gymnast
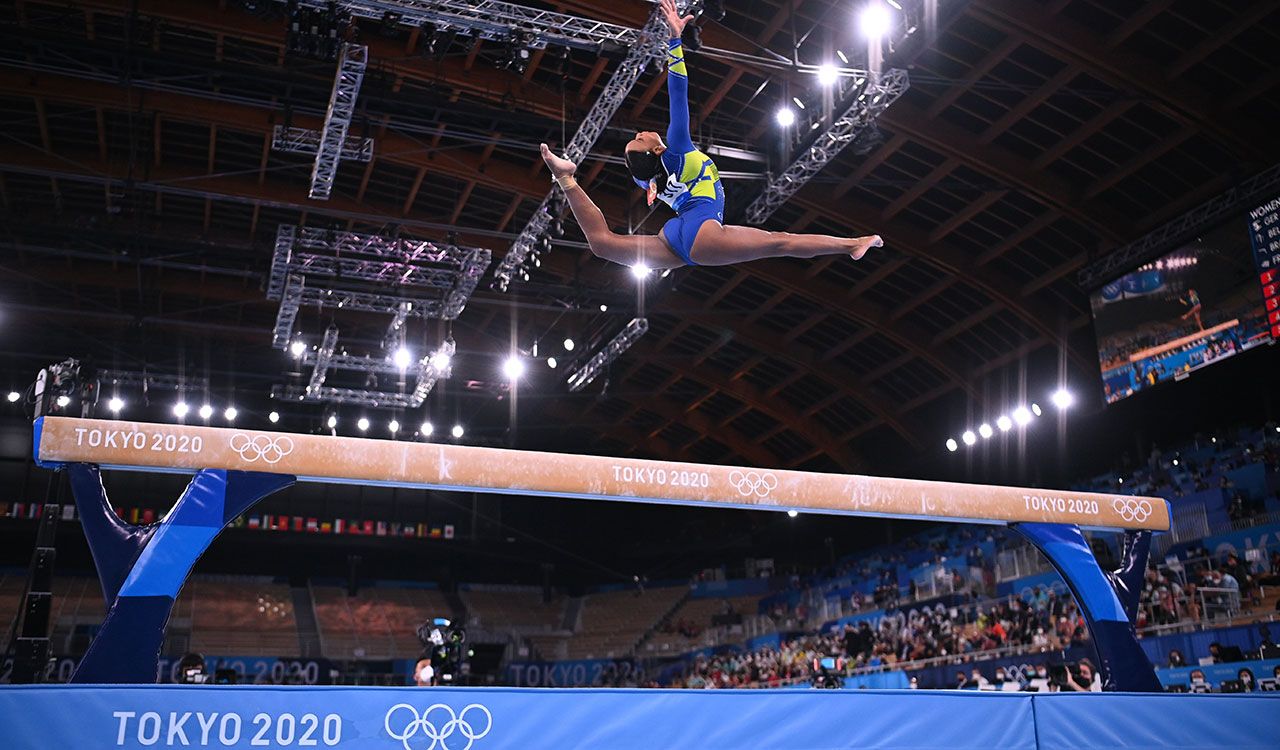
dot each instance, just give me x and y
(686, 179)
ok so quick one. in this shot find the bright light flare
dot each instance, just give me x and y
(786, 117)
(952, 445)
(827, 74)
(1063, 399)
(874, 21)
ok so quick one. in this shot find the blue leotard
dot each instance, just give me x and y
(693, 188)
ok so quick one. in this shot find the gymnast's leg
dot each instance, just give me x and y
(719, 245)
(628, 249)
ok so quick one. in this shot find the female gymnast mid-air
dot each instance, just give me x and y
(686, 179)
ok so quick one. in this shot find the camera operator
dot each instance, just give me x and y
(441, 661)
(423, 673)
(1083, 679)
(828, 673)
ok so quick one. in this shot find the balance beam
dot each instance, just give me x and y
(140, 446)
(1153, 351)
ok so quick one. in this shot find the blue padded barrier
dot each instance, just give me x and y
(501, 718)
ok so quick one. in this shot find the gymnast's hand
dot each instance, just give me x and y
(673, 18)
(559, 167)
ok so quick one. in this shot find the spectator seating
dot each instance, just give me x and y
(237, 617)
(694, 618)
(612, 623)
(518, 608)
(380, 622)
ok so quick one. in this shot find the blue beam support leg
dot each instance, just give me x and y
(1108, 600)
(142, 568)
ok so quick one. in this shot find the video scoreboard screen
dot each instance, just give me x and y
(1203, 302)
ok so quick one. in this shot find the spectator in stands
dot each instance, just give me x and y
(1176, 659)
(962, 682)
(1245, 676)
(1267, 649)
(1083, 679)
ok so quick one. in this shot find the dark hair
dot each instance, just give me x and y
(643, 164)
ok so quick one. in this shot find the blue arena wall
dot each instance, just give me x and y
(499, 718)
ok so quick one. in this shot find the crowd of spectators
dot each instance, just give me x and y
(1043, 623)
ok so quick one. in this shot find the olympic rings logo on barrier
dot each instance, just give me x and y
(755, 483)
(261, 447)
(456, 722)
(1132, 510)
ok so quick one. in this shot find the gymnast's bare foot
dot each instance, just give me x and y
(559, 167)
(862, 244)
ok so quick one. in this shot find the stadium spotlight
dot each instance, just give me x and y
(206, 411)
(231, 413)
(297, 348)
(874, 20)
(393, 427)
(793, 513)
(985, 430)
(426, 429)
(180, 409)
(274, 417)
(115, 404)
(568, 345)
(513, 367)
(14, 396)
(827, 74)
(604, 308)
(1004, 423)
(640, 271)
(402, 358)
(440, 360)
(457, 431)
(969, 438)
(952, 445)
(1175, 462)
(786, 117)
(1062, 398)
(1022, 416)
(363, 423)
(64, 400)
(332, 421)
(551, 362)
(1035, 409)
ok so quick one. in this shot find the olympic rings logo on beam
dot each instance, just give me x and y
(1132, 510)
(753, 483)
(263, 448)
(457, 722)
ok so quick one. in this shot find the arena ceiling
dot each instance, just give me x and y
(141, 199)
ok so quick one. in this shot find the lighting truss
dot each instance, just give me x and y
(337, 119)
(143, 379)
(649, 45)
(323, 357)
(394, 336)
(345, 270)
(490, 19)
(1261, 186)
(583, 376)
(874, 95)
(427, 375)
(306, 141)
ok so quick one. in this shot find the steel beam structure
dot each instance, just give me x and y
(306, 141)
(492, 20)
(337, 119)
(598, 363)
(873, 95)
